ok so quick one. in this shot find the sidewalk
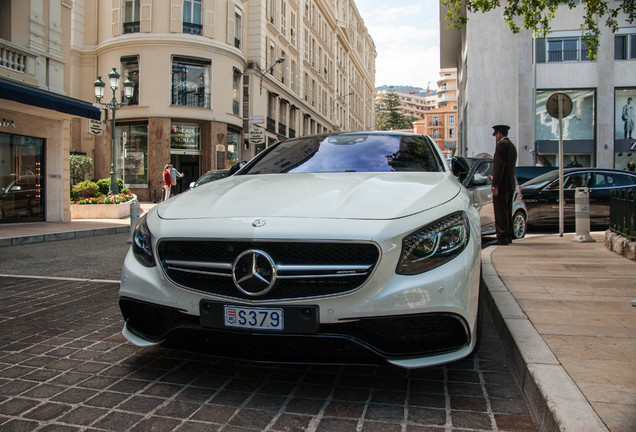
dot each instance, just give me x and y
(33, 232)
(563, 309)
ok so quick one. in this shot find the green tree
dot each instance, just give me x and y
(388, 115)
(536, 15)
(81, 168)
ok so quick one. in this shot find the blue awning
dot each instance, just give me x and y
(33, 96)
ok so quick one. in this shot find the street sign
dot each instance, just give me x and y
(552, 105)
(257, 135)
(95, 127)
(559, 105)
(258, 119)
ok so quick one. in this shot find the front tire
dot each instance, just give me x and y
(519, 225)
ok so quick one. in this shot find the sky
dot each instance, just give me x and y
(406, 37)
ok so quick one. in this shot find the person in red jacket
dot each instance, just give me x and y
(167, 182)
(503, 184)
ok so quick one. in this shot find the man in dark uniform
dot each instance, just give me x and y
(503, 184)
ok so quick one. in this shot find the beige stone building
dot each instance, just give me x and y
(215, 82)
(218, 81)
(36, 114)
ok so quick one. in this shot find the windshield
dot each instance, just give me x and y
(348, 153)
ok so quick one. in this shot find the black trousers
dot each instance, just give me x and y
(502, 204)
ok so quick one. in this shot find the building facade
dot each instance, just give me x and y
(216, 81)
(439, 124)
(412, 105)
(36, 113)
(506, 78)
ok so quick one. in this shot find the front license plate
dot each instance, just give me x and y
(253, 318)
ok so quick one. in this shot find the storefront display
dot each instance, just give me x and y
(21, 179)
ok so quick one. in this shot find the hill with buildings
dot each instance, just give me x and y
(419, 91)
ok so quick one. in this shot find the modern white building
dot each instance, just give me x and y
(506, 78)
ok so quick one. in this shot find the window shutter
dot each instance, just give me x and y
(210, 17)
(539, 50)
(230, 22)
(145, 17)
(176, 16)
(115, 17)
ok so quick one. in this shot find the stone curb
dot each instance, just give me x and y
(555, 400)
(38, 238)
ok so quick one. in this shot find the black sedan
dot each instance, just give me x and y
(210, 176)
(541, 194)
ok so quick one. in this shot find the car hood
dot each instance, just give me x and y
(317, 195)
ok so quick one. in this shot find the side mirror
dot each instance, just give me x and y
(192, 185)
(479, 180)
(237, 166)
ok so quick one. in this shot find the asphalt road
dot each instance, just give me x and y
(98, 257)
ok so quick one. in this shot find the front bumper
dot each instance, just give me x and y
(397, 339)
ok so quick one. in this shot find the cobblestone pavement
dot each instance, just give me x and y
(64, 366)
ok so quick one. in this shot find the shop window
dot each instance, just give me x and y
(579, 138)
(21, 179)
(233, 145)
(192, 17)
(131, 16)
(130, 69)
(624, 129)
(191, 82)
(132, 153)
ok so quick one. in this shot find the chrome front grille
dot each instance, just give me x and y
(303, 269)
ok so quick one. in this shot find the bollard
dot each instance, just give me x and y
(135, 213)
(582, 214)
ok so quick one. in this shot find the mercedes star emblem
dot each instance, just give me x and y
(254, 272)
(259, 223)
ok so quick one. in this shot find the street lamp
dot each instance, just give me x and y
(335, 104)
(279, 60)
(129, 87)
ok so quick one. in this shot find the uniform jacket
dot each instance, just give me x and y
(505, 159)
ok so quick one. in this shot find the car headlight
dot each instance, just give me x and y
(434, 244)
(142, 244)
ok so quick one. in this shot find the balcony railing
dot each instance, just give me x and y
(623, 212)
(563, 56)
(190, 99)
(131, 27)
(192, 28)
(271, 124)
(13, 58)
(282, 129)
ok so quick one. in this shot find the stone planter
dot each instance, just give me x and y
(100, 211)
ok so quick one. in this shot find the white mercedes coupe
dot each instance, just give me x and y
(336, 248)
